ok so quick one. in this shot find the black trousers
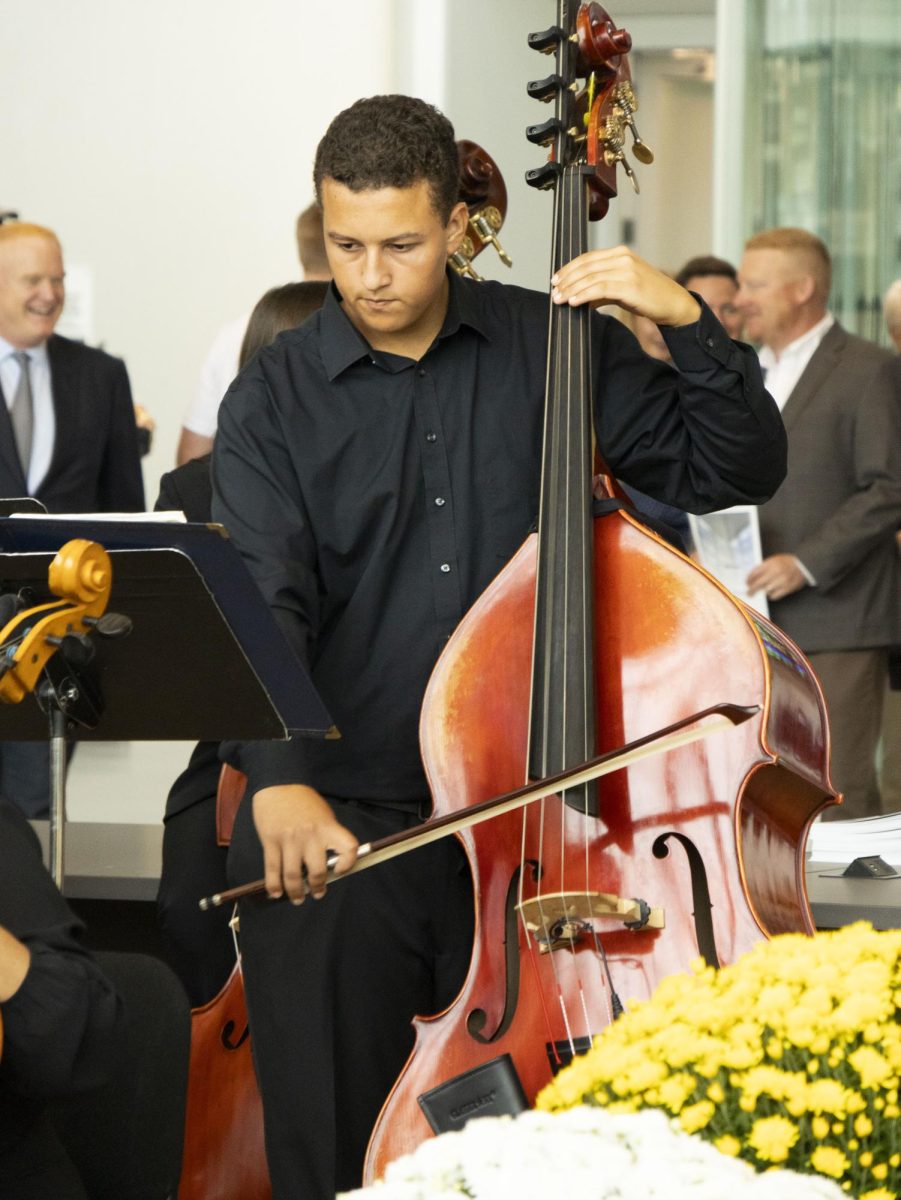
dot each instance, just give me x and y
(332, 987)
(199, 945)
(35, 1166)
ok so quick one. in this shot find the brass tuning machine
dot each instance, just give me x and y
(486, 223)
(627, 102)
(461, 260)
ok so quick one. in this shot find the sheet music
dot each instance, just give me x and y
(727, 544)
(164, 517)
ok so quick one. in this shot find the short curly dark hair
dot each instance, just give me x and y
(391, 141)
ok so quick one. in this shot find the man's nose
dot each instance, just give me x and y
(375, 273)
(48, 292)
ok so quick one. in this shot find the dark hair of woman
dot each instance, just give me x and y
(279, 309)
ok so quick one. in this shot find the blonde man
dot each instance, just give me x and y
(830, 567)
(67, 430)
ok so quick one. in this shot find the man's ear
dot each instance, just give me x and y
(457, 224)
(805, 288)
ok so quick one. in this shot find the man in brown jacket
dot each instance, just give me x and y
(830, 569)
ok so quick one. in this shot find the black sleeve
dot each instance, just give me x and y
(702, 434)
(257, 497)
(188, 489)
(61, 1028)
(120, 487)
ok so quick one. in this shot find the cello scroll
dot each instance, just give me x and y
(81, 576)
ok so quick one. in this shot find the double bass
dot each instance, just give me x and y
(598, 632)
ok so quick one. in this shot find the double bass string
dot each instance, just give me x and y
(538, 756)
(566, 548)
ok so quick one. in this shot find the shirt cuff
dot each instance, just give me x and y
(693, 346)
(267, 763)
(811, 582)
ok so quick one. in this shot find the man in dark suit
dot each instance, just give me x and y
(830, 569)
(67, 428)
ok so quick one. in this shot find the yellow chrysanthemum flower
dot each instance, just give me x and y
(728, 1144)
(829, 1160)
(870, 1066)
(791, 1056)
(696, 1116)
(772, 1138)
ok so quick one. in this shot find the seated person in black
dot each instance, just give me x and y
(62, 1019)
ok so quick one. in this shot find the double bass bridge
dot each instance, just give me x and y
(558, 920)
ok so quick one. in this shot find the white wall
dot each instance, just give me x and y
(170, 145)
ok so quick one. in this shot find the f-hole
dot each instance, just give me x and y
(700, 893)
(226, 1036)
(475, 1021)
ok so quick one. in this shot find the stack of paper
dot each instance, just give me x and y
(843, 841)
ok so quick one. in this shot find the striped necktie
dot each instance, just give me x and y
(21, 413)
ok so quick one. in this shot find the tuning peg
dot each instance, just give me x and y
(545, 89)
(486, 223)
(546, 41)
(461, 260)
(110, 625)
(625, 97)
(626, 166)
(642, 152)
(544, 176)
(544, 134)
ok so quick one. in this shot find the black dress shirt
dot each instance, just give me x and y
(374, 497)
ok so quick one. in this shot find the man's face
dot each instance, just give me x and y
(31, 289)
(719, 292)
(771, 290)
(388, 250)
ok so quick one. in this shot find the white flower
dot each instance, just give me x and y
(586, 1154)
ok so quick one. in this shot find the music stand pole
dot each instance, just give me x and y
(57, 794)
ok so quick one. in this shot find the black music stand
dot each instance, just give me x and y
(204, 660)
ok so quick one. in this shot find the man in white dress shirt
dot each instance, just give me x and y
(830, 568)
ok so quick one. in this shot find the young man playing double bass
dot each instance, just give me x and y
(377, 467)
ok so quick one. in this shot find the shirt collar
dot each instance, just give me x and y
(342, 344)
(36, 354)
(805, 344)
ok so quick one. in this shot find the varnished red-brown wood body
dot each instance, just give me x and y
(224, 1157)
(669, 642)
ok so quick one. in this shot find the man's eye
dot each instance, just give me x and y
(401, 246)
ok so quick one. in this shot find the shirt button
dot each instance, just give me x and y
(709, 343)
(445, 567)
(439, 500)
(422, 371)
(431, 437)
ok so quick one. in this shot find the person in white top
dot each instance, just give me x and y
(830, 568)
(221, 363)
